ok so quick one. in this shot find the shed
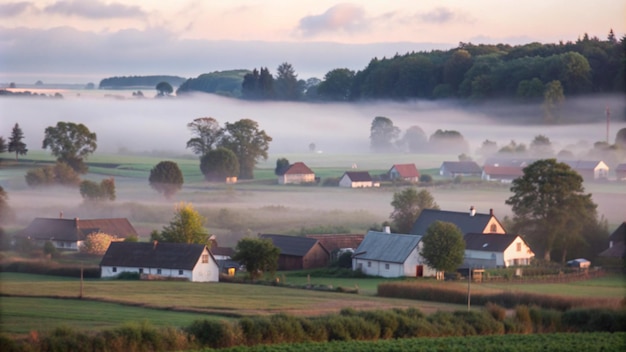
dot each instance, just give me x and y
(297, 253)
(297, 173)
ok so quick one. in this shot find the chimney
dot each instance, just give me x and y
(61, 214)
(387, 229)
(154, 244)
(472, 211)
(491, 212)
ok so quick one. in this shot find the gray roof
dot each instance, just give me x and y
(292, 245)
(488, 242)
(358, 176)
(619, 235)
(153, 255)
(76, 229)
(463, 220)
(461, 167)
(386, 247)
(582, 164)
(504, 161)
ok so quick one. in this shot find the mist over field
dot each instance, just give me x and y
(159, 125)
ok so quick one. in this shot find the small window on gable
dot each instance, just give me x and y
(180, 272)
(114, 269)
(518, 247)
(494, 228)
(205, 258)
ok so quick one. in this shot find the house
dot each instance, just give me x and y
(69, 234)
(337, 244)
(405, 172)
(467, 222)
(617, 247)
(356, 179)
(460, 168)
(589, 169)
(504, 169)
(297, 253)
(223, 257)
(495, 251)
(391, 255)
(620, 172)
(193, 262)
(296, 173)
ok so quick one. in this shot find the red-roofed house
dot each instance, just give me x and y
(504, 174)
(406, 172)
(297, 173)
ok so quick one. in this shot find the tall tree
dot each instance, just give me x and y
(282, 164)
(257, 255)
(337, 85)
(5, 210)
(553, 98)
(219, 164)
(286, 83)
(71, 143)
(248, 143)
(187, 226)
(166, 178)
(443, 247)
(164, 88)
(415, 139)
(206, 133)
(550, 207)
(15, 142)
(383, 134)
(3, 145)
(408, 205)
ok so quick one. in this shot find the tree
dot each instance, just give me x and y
(166, 178)
(550, 207)
(257, 255)
(70, 143)
(248, 143)
(541, 146)
(488, 148)
(3, 145)
(15, 142)
(552, 100)
(164, 88)
(337, 85)
(97, 243)
(286, 83)
(383, 134)
(448, 141)
(220, 164)
(5, 210)
(620, 138)
(207, 133)
(415, 139)
(443, 247)
(57, 174)
(50, 250)
(187, 226)
(282, 164)
(93, 191)
(407, 205)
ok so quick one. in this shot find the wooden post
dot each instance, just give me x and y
(469, 283)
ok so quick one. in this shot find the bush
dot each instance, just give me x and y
(212, 333)
(497, 312)
(58, 174)
(425, 178)
(594, 320)
(50, 250)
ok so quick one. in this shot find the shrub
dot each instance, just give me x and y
(212, 333)
(58, 174)
(596, 319)
(50, 250)
(496, 311)
(97, 243)
(425, 178)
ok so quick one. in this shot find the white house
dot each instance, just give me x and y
(589, 169)
(297, 173)
(495, 251)
(391, 255)
(193, 262)
(357, 179)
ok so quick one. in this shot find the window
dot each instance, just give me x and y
(494, 228)
(114, 269)
(518, 247)
(159, 271)
(205, 258)
(180, 272)
(369, 264)
(141, 270)
(386, 266)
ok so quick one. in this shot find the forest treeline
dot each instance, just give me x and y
(469, 71)
(139, 81)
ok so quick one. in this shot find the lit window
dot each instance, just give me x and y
(205, 258)
(494, 228)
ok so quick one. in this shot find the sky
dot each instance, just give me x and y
(77, 41)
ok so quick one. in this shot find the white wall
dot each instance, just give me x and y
(523, 256)
(296, 179)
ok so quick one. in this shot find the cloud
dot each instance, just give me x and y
(15, 8)
(341, 17)
(94, 9)
(442, 15)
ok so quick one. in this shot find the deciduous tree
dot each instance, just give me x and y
(219, 164)
(337, 85)
(541, 146)
(415, 139)
(71, 143)
(383, 134)
(550, 207)
(164, 88)
(3, 145)
(16, 143)
(443, 246)
(93, 191)
(58, 174)
(282, 164)
(187, 226)
(206, 133)
(166, 178)
(248, 143)
(257, 255)
(98, 243)
(553, 98)
(408, 205)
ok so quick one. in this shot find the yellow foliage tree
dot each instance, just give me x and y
(98, 243)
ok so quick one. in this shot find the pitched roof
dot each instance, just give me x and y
(463, 220)
(617, 251)
(153, 255)
(619, 235)
(291, 245)
(406, 170)
(512, 171)
(224, 251)
(358, 176)
(583, 164)
(298, 168)
(461, 167)
(488, 242)
(386, 247)
(76, 229)
(508, 162)
(621, 167)
(334, 242)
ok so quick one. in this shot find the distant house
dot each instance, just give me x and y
(356, 179)
(391, 255)
(504, 169)
(467, 222)
(297, 173)
(495, 251)
(69, 234)
(589, 169)
(336, 244)
(405, 172)
(297, 253)
(617, 246)
(620, 172)
(193, 262)
(223, 257)
(460, 168)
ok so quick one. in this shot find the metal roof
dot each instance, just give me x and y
(76, 229)
(386, 247)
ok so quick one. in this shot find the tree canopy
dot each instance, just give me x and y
(16, 143)
(282, 164)
(219, 164)
(249, 144)
(443, 246)
(206, 133)
(550, 207)
(383, 134)
(187, 226)
(166, 178)
(286, 84)
(71, 143)
(407, 206)
(3, 145)
(93, 191)
(257, 255)
(164, 88)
